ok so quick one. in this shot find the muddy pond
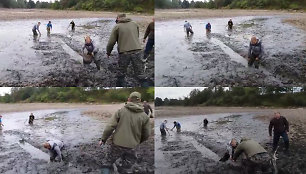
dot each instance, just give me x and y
(21, 149)
(198, 149)
(220, 57)
(56, 59)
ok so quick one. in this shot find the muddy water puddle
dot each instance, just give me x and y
(219, 57)
(56, 59)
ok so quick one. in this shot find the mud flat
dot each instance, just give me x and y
(21, 144)
(56, 59)
(220, 57)
(197, 149)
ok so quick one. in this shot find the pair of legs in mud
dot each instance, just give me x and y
(125, 59)
(276, 140)
(254, 60)
(189, 30)
(148, 49)
(118, 158)
(259, 163)
(91, 56)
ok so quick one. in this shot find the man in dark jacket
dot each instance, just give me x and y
(150, 35)
(31, 118)
(280, 127)
(230, 24)
(177, 125)
(255, 52)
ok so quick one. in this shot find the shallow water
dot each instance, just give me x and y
(219, 57)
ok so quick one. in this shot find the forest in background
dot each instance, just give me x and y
(73, 95)
(232, 4)
(240, 96)
(141, 6)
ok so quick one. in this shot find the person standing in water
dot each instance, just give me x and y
(1, 125)
(208, 27)
(72, 25)
(188, 28)
(49, 27)
(31, 118)
(35, 29)
(230, 24)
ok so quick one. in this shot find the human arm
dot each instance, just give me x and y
(237, 152)
(110, 127)
(286, 124)
(112, 40)
(270, 128)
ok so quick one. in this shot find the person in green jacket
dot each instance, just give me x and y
(257, 158)
(129, 127)
(126, 35)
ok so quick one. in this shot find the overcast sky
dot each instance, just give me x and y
(174, 92)
(4, 90)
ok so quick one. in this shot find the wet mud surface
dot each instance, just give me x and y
(21, 149)
(57, 59)
(220, 57)
(197, 149)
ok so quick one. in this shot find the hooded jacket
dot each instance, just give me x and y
(255, 49)
(131, 126)
(126, 35)
(249, 147)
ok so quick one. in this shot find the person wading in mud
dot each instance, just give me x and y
(150, 43)
(280, 127)
(163, 128)
(72, 25)
(31, 118)
(177, 125)
(205, 122)
(257, 158)
(49, 27)
(208, 28)
(35, 29)
(255, 52)
(147, 108)
(188, 28)
(1, 122)
(230, 24)
(129, 126)
(91, 51)
(126, 35)
(55, 148)
(232, 145)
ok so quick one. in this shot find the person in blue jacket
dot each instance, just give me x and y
(208, 27)
(49, 27)
(177, 125)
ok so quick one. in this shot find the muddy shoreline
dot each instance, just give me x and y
(22, 14)
(298, 18)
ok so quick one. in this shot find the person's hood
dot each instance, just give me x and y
(135, 107)
(244, 139)
(124, 20)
